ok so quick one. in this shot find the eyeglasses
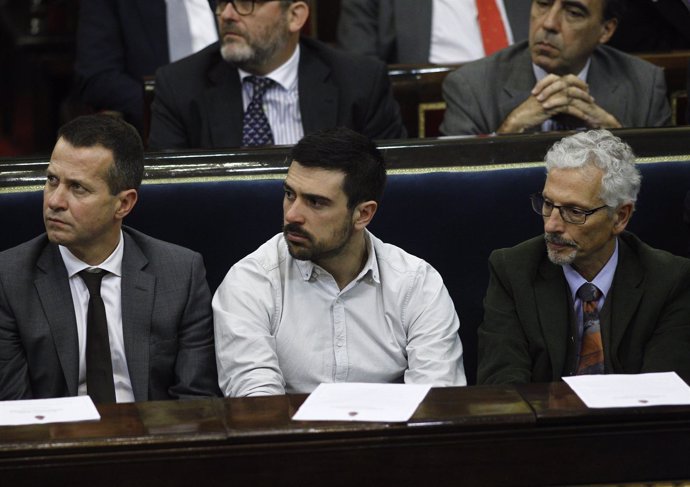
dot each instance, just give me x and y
(242, 7)
(570, 214)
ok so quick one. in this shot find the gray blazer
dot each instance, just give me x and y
(527, 334)
(480, 95)
(166, 320)
(399, 31)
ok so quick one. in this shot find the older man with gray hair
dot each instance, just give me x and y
(586, 297)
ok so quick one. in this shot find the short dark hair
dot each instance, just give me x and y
(115, 135)
(342, 149)
(613, 9)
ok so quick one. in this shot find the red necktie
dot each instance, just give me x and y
(494, 35)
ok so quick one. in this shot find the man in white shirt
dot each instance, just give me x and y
(327, 301)
(143, 331)
(429, 31)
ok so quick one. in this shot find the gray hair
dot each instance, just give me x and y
(600, 148)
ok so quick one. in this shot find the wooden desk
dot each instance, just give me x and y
(474, 436)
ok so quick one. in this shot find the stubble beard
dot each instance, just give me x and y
(317, 251)
(258, 50)
(562, 257)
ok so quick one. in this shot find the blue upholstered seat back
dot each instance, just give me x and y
(453, 219)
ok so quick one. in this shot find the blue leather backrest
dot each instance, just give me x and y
(452, 218)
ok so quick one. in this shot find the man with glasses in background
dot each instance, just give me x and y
(586, 297)
(262, 85)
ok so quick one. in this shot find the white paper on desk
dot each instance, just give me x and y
(39, 411)
(362, 402)
(635, 390)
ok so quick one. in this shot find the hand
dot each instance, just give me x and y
(558, 97)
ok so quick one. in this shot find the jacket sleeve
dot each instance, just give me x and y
(14, 373)
(668, 346)
(464, 114)
(195, 368)
(382, 117)
(100, 66)
(503, 348)
(659, 110)
(168, 129)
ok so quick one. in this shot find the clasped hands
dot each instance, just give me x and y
(558, 97)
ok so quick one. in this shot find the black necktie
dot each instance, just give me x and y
(99, 367)
(256, 130)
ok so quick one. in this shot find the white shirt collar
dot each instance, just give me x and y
(113, 264)
(307, 267)
(603, 280)
(285, 75)
(540, 74)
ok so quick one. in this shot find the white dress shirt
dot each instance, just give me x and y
(112, 299)
(201, 27)
(283, 325)
(455, 33)
(281, 101)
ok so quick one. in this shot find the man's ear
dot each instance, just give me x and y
(607, 30)
(622, 217)
(298, 13)
(126, 201)
(363, 214)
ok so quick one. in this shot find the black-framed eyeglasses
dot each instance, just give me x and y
(242, 7)
(570, 214)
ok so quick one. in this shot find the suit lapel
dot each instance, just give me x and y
(626, 293)
(550, 289)
(603, 85)
(519, 84)
(222, 104)
(138, 289)
(56, 299)
(318, 96)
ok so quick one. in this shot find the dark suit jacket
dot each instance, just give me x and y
(198, 100)
(399, 31)
(118, 43)
(166, 320)
(528, 330)
(480, 95)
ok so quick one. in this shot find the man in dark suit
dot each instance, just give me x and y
(203, 100)
(400, 31)
(587, 296)
(119, 42)
(562, 78)
(155, 305)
